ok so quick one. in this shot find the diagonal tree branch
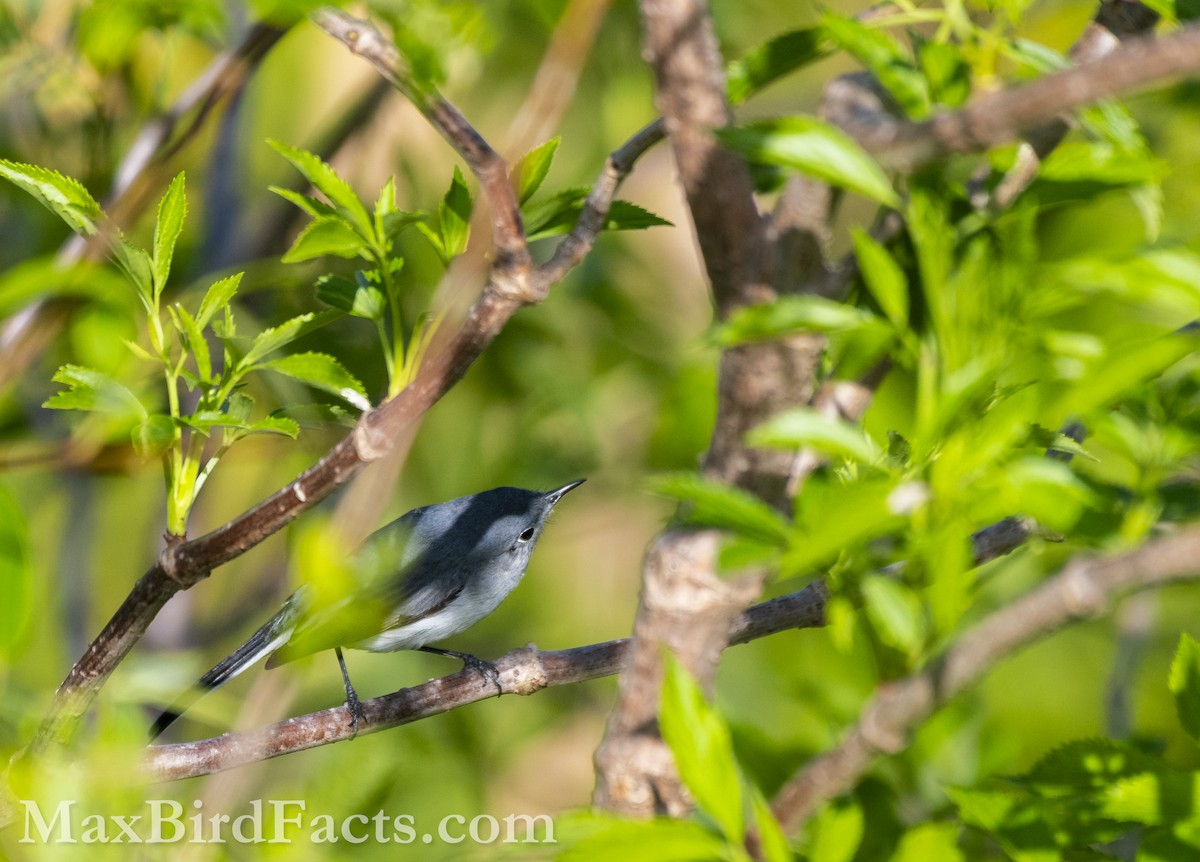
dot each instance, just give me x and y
(1085, 588)
(183, 564)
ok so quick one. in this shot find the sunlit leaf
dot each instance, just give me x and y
(322, 236)
(816, 148)
(325, 180)
(699, 739)
(323, 372)
(883, 277)
(532, 169)
(789, 314)
(63, 196)
(154, 435)
(1184, 683)
(806, 427)
(89, 389)
(172, 210)
(217, 297)
(772, 60)
(359, 300)
(717, 505)
(885, 58)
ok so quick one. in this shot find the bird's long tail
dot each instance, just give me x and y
(273, 634)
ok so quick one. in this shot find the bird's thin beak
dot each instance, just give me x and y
(557, 494)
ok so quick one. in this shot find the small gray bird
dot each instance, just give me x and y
(430, 574)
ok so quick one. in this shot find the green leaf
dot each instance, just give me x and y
(805, 427)
(812, 147)
(1184, 682)
(775, 846)
(63, 196)
(699, 739)
(270, 340)
(772, 60)
(359, 300)
(284, 425)
(153, 436)
(835, 516)
(454, 217)
(663, 839)
(217, 297)
(947, 71)
(927, 841)
(172, 210)
(137, 267)
(325, 235)
(1082, 170)
(723, 506)
(325, 180)
(16, 576)
(791, 314)
(323, 372)
(314, 207)
(896, 614)
(188, 328)
(885, 58)
(559, 214)
(89, 389)
(837, 833)
(532, 169)
(883, 277)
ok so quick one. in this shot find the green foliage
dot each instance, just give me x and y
(772, 60)
(814, 147)
(180, 350)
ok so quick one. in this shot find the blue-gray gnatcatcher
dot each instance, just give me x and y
(430, 574)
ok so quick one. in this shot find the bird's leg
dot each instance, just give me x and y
(480, 666)
(352, 701)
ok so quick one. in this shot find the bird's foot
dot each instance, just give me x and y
(356, 711)
(481, 666)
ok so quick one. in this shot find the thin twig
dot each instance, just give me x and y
(1081, 590)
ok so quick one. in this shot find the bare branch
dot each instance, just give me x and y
(578, 244)
(1083, 589)
(523, 671)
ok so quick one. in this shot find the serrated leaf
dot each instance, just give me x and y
(65, 197)
(314, 207)
(805, 427)
(454, 217)
(284, 425)
(325, 180)
(239, 406)
(816, 148)
(559, 214)
(172, 210)
(323, 372)
(325, 235)
(531, 171)
(772, 60)
(217, 297)
(1184, 682)
(153, 436)
(89, 389)
(699, 739)
(359, 300)
(883, 277)
(791, 314)
(186, 325)
(724, 506)
(896, 613)
(135, 263)
(885, 58)
(270, 340)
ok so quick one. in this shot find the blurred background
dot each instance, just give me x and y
(611, 378)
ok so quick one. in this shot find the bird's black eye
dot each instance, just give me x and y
(525, 535)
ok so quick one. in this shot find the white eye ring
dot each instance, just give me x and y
(525, 536)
